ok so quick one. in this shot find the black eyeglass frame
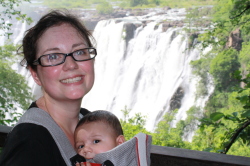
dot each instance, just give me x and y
(38, 61)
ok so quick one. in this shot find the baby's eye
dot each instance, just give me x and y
(96, 141)
(81, 146)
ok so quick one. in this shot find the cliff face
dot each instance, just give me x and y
(235, 40)
(91, 17)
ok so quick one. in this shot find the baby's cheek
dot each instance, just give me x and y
(102, 149)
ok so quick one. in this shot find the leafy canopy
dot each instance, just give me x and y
(14, 90)
(9, 11)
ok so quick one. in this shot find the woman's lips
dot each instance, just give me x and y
(71, 80)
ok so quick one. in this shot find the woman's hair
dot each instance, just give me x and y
(52, 18)
(103, 116)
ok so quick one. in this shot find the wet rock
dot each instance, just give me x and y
(175, 102)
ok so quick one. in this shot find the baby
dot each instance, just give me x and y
(97, 132)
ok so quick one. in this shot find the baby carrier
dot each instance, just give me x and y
(135, 152)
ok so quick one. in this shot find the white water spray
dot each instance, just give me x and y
(145, 74)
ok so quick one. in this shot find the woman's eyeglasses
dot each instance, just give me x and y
(55, 59)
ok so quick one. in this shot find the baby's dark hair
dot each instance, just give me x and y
(105, 117)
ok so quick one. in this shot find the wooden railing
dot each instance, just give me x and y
(168, 156)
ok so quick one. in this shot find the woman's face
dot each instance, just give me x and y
(70, 80)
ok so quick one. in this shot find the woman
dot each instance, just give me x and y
(60, 57)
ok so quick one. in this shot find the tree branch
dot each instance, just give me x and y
(235, 136)
(241, 13)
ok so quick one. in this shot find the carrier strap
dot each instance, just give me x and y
(40, 117)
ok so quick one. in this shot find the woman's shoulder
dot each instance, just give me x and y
(27, 132)
(30, 144)
(29, 129)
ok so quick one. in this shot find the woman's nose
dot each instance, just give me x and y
(70, 64)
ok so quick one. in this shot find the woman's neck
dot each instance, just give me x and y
(65, 114)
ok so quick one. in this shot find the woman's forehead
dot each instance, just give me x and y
(61, 37)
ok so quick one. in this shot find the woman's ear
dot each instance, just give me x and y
(120, 139)
(35, 76)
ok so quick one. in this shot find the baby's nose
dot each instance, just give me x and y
(87, 148)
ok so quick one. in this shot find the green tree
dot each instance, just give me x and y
(167, 135)
(133, 125)
(231, 125)
(14, 90)
(227, 16)
(239, 14)
(244, 58)
(225, 113)
(8, 11)
(222, 67)
(201, 69)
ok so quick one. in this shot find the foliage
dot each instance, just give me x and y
(244, 58)
(14, 91)
(164, 134)
(168, 134)
(9, 11)
(206, 140)
(104, 8)
(133, 125)
(228, 15)
(224, 127)
(86, 4)
(239, 14)
(89, 4)
(197, 18)
(184, 3)
(133, 3)
(201, 69)
(222, 67)
(217, 101)
(235, 124)
(217, 34)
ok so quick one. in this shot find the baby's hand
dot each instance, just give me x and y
(83, 164)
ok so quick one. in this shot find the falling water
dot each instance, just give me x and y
(144, 73)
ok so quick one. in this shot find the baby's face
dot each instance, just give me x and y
(93, 138)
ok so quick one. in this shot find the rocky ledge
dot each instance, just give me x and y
(91, 17)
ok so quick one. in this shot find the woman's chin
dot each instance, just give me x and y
(78, 95)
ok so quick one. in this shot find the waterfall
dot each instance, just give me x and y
(144, 72)
(143, 63)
